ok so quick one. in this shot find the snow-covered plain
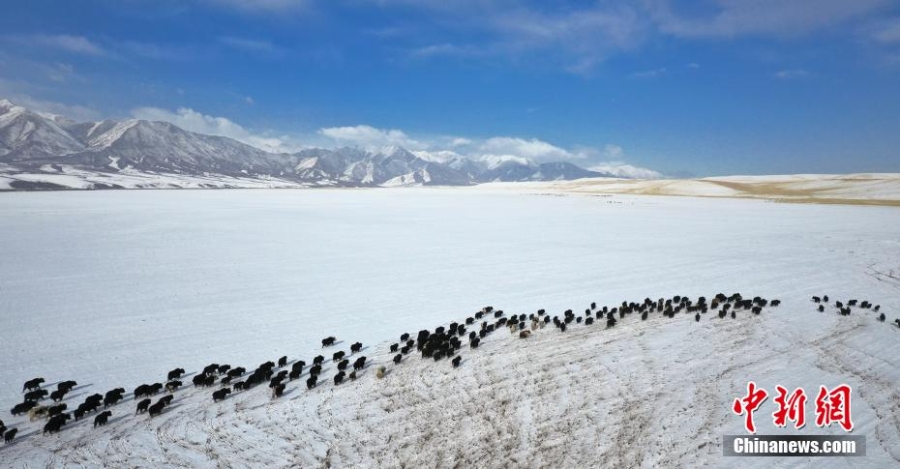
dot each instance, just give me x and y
(116, 288)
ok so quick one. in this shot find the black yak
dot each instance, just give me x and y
(220, 394)
(142, 406)
(102, 418)
(32, 384)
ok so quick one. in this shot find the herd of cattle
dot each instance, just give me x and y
(443, 342)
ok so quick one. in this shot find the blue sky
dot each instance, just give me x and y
(704, 87)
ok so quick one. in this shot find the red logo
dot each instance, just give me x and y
(834, 406)
(831, 406)
(748, 404)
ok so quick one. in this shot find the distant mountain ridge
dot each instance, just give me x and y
(103, 154)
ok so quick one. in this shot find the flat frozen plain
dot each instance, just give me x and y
(116, 288)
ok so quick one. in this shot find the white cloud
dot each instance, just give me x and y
(760, 17)
(193, 121)
(887, 32)
(261, 6)
(371, 138)
(649, 73)
(791, 74)
(532, 149)
(249, 100)
(68, 43)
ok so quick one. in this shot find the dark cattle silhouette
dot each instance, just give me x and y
(66, 386)
(36, 395)
(173, 386)
(32, 384)
(142, 406)
(175, 374)
(102, 418)
(22, 408)
(360, 363)
(220, 394)
(339, 378)
(328, 341)
(398, 358)
(456, 361)
(156, 409)
(277, 391)
(10, 434)
(311, 382)
(337, 356)
(357, 347)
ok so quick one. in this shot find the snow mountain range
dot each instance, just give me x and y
(45, 151)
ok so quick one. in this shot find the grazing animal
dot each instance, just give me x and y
(776, 302)
(876, 308)
(697, 317)
(102, 418)
(56, 410)
(32, 384)
(211, 369)
(224, 369)
(173, 386)
(524, 334)
(142, 406)
(236, 372)
(175, 374)
(156, 409)
(315, 369)
(10, 434)
(380, 372)
(338, 356)
(23, 407)
(353, 375)
(278, 391)
(404, 337)
(328, 341)
(399, 357)
(36, 412)
(816, 299)
(360, 363)
(395, 347)
(318, 360)
(311, 382)
(821, 308)
(474, 342)
(66, 386)
(339, 378)
(881, 317)
(282, 361)
(54, 424)
(343, 364)
(456, 361)
(36, 395)
(220, 394)
(294, 374)
(356, 347)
